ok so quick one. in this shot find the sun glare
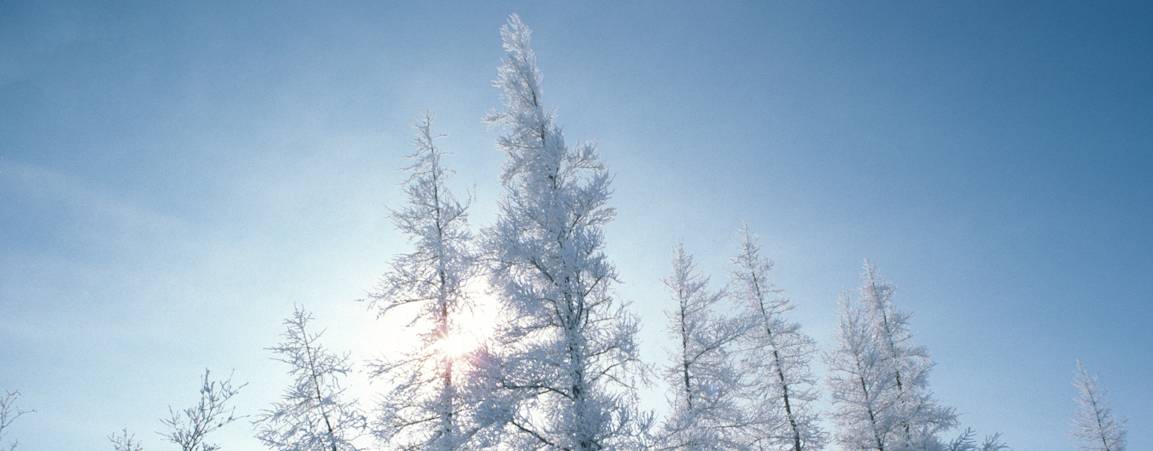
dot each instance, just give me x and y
(473, 325)
(457, 345)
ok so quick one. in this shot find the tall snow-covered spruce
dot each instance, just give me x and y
(423, 408)
(314, 414)
(778, 363)
(704, 382)
(1095, 427)
(568, 354)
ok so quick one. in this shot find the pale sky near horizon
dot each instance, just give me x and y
(174, 177)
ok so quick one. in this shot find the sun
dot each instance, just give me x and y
(473, 326)
(456, 345)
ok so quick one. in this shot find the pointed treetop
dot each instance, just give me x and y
(518, 77)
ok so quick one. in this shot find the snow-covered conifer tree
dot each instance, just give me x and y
(778, 362)
(568, 350)
(423, 407)
(313, 414)
(1095, 427)
(920, 418)
(705, 384)
(189, 428)
(862, 391)
(879, 381)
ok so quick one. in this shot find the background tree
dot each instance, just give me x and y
(778, 361)
(920, 419)
(568, 349)
(189, 428)
(863, 394)
(9, 412)
(313, 414)
(967, 441)
(125, 441)
(705, 384)
(423, 408)
(1095, 427)
(879, 381)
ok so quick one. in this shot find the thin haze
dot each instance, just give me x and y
(174, 177)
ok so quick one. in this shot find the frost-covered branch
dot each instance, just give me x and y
(9, 412)
(124, 441)
(967, 441)
(189, 428)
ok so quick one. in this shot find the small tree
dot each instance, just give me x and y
(879, 381)
(9, 412)
(865, 404)
(125, 441)
(706, 409)
(778, 362)
(1095, 427)
(313, 414)
(919, 418)
(189, 428)
(967, 441)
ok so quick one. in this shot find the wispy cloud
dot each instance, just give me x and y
(82, 206)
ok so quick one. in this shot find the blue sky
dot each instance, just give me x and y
(174, 177)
